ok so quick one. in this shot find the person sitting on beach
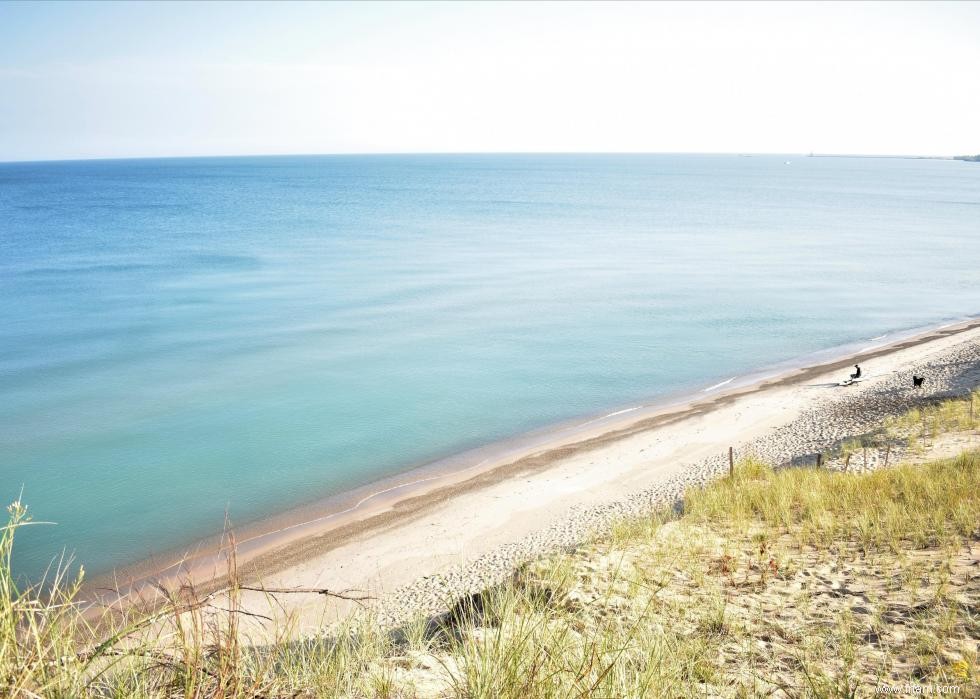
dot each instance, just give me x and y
(857, 372)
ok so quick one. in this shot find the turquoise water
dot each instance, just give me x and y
(181, 337)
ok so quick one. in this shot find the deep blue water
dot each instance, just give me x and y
(178, 337)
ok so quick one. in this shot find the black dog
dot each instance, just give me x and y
(917, 380)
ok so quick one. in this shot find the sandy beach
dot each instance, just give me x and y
(416, 549)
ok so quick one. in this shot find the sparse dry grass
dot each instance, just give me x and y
(940, 417)
(907, 436)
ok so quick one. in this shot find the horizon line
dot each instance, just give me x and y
(427, 153)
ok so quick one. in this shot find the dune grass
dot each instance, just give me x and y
(917, 427)
(942, 416)
(803, 581)
(910, 433)
(892, 509)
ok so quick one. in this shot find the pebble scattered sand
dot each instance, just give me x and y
(834, 417)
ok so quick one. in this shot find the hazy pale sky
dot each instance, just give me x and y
(81, 80)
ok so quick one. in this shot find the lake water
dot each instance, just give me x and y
(183, 337)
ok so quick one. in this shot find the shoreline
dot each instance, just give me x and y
(289, 539)
(790, 422)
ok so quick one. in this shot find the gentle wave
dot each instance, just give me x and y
(609, 415)
(719, 385)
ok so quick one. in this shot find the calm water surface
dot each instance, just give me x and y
(181, 337)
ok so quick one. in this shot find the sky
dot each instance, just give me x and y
(109, 80)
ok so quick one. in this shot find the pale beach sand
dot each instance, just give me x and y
(459, 533)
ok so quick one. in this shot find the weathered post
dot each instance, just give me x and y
(731, 462)
(847, 462)
(819, 460)
(888, 450)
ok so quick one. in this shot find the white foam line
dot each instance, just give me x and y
(872, 339)
(719, 385)
(618, 412)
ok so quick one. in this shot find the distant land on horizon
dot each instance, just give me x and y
(973, 158)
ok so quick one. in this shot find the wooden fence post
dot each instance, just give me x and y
(731, 462)
(819, 460)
